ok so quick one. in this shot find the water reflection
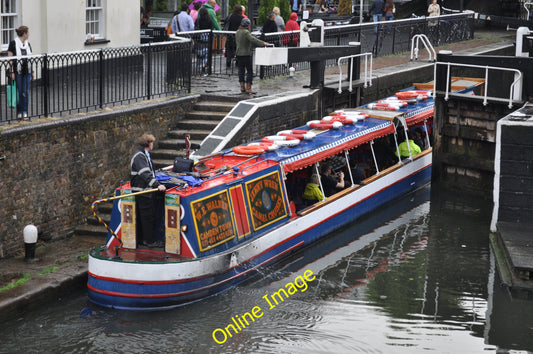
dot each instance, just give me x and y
(415, 276)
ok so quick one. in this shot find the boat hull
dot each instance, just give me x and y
(160, 285)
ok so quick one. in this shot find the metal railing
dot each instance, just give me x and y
(380, 39)
(72, 82)
(367, 76)
(515, 90)
(427, 44)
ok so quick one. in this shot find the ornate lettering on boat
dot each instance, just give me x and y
(265, 200)
(213, 221)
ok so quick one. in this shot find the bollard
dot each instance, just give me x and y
(30, 240)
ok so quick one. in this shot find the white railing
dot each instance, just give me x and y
(367, 73)
(513, 94)
(427, 44)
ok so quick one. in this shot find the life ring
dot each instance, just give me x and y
(351, 114)
(323, 125)
(298, 134)
(382, 107)
(339, 118)
(267, 146)
(396, 102)
(248, 150)
(281, 140)
(288, 143)
(409, 95)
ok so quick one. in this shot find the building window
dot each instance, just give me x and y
(94, 19)
(9, 21)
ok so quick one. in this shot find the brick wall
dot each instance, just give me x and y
(54, 169)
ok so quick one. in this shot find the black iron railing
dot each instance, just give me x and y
(67, 83)
(73, 82)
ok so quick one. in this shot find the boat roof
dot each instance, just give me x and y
(329, 142)
(333, 141)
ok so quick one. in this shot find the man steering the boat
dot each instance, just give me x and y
(143, 178)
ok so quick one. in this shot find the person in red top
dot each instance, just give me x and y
(291, 39)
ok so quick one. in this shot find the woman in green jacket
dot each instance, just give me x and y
(245, 45)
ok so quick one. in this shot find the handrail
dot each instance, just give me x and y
(101, 221)
(382, 173)
(525, 7)
(127, 195)
(367, 76)
(487, 68)
(328, 200)
(427, 44)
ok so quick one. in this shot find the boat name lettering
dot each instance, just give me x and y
(257, 188)
(238, 323)
(266, 201)
(213, 221)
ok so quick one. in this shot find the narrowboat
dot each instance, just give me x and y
(243, 208)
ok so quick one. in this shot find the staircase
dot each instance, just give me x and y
(93, 226)
(207, 113)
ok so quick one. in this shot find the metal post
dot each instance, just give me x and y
(101, 79)
(346, 156)
(149, 71)
(361, 12)
(210, 52)
(46, 85)
(397, 147)
(320, 180)
(427, 134)
(374, 156)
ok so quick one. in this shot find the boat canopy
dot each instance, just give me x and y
(329, 142)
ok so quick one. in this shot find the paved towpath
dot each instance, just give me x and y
(61, 266)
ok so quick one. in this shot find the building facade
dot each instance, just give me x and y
(73, 25)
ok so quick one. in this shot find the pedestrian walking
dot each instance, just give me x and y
(279, 20)
(210, 7)
(182, 22)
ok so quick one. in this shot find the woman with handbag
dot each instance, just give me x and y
(245, 45)
(20, 71)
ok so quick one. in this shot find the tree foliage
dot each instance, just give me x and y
(160, 5)
(267, 6)
(345, 7)
(232, 4)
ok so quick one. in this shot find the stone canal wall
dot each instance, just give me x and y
(53, 170)
(464, 137)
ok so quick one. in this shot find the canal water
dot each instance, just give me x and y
(416, 276)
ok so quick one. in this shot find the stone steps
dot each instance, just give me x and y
(207, 113)
(93, 226)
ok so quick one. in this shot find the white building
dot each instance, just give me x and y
(71, 25)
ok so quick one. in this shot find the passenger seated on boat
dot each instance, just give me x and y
(403, 150)
(312, 192)
(332, 181)
(358, 173)
(295, 183)
(384, 149)
(419, 138)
